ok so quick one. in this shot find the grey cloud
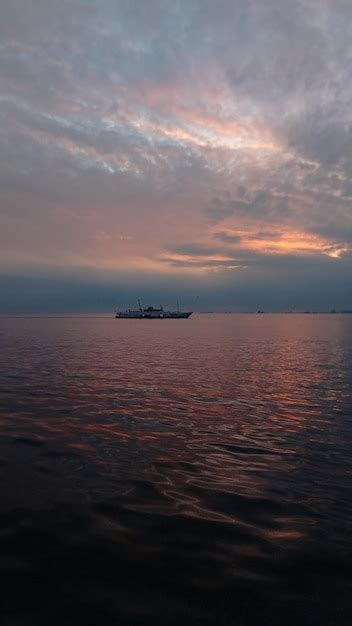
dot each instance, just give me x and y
(94, 103)
(222, 208)
(279, 283)
(263, 203)
(228, 238)
(318, 136)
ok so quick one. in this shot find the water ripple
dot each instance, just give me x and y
(195, 472)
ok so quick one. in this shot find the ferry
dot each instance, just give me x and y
(152, 313)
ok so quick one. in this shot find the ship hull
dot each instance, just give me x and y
(165, 315)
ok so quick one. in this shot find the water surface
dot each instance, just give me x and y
(176, 471)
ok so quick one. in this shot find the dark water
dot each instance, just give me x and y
(176, 472)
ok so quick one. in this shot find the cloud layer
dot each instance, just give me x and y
(189, 142)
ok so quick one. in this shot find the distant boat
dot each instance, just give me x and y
(152, 313)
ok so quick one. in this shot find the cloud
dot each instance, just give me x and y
(228, 237)
(176, 137)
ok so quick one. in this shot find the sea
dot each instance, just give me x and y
(176, 472)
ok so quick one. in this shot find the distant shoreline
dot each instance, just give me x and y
(347, 312)
(111, 315)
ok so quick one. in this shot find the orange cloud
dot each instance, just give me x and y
(287, 242)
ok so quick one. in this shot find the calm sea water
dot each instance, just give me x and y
(176, 472)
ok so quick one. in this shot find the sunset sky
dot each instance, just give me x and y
(191, 150)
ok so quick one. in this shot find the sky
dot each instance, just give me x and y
(184, 150)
